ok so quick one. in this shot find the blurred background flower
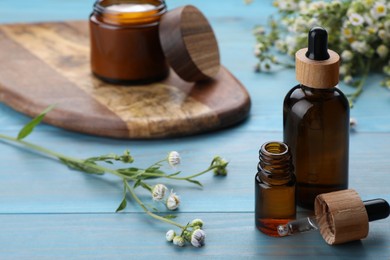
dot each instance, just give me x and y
(358, 30)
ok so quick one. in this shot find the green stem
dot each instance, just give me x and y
(156, 163)
(135, 197)
(124, 177)
(163, 175)
(60, 156)
(194, 175)
(359, 89)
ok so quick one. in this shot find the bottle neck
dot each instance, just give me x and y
(320, 89)
(129, 12)
(275, 166)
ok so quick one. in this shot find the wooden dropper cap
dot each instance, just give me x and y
(316, 66)
(343, 217)
(189, 44)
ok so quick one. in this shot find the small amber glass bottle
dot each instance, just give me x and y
(125, 44)
(274, 188)
(316, 122)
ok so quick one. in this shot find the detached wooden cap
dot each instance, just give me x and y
(342, 216)
(317, 74)
(189, 44)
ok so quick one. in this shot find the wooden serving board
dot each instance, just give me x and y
(48, 63)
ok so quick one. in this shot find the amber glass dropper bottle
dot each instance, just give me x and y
(274, 188)
(316, 122)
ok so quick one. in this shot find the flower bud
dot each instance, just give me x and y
(352, 122)
(348, 79)
(158, 192)
(221, 166)
(173, 201)
(198, 238)
(347, 55)
(174, 158)
(382, 51)
(179, 241)
(196, 222)
(187, 235)
(170, 235)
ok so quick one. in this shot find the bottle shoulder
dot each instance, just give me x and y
(315, 96)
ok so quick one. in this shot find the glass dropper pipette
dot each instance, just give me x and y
(376, 209)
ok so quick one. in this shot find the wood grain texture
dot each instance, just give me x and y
(48, 63)
(317, 74)
(342, 216)
(189, 44)
(133, 236)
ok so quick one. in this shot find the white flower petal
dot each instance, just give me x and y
(198, 238)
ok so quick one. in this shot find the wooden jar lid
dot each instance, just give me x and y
(317, 74)
(341, 216)
(189, 44)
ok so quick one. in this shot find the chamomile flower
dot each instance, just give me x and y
(287, 5)
(347, 32)
(359, 46)
(347, 55)
(358, 29)
(343, 69)
(382, 51)
(356, 19)
(379, 10)
(383, 35)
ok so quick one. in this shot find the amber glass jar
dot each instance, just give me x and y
(125, 44)
(274, 188)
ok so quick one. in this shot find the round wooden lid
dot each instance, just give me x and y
(341, 216)
(189, 44)
(315, 73)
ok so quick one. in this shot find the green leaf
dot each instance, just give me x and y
(132, 171)
(123, 205)
(137, 183)
(87, 167)
(153, 169)
(174, 174)
(146, 186)
(169, 216)
(195, 182)
(109, 162)
(29, 127)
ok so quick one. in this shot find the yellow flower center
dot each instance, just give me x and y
(347, 32)
(380, 9)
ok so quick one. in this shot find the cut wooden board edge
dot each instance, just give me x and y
(222, 120)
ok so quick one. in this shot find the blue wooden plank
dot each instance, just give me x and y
(44, 185)
(118, 236)
(72, 213)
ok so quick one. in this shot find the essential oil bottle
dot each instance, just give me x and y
(274, 188)
(316, 122)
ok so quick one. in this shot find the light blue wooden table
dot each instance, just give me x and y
(50, 212)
